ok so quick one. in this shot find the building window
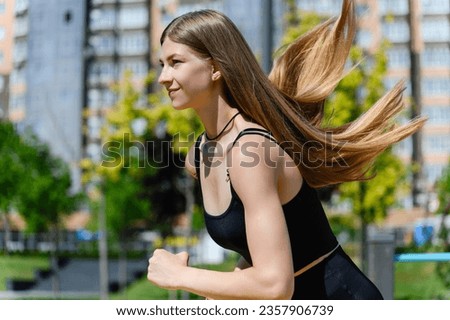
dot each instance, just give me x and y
(433, 172)
(135, 17)
(436, 29)
(399, 7)
(103, 44)
(364, 38)
(398, 57)
(437, 115)
(102, 19)
(98, 99)
(325, 7)
(2, 32)
(436, 86)
(21, 5)
(138, 68)
(435, 6)
(21, 26)
(94, 99)
(436, 56)
(437, 143)
(93, 151)
(101, 71)
(18, 76)
(404, 147)
(390, 82)
(134, 43)
(396, 31)
(362, 9)
(2, 57)
(2, 7)
(20, 51)
(94, 124)
(17, 101)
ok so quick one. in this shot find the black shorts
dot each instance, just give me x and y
(335, 278)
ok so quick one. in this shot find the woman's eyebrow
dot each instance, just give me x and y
(170, 57)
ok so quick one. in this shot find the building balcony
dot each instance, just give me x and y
(21, 7)
(102, 2)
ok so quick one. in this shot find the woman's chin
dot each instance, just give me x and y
(179, 106)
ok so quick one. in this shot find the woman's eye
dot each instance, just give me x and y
(174, 62)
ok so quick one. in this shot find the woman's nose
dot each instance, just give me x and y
(164, 76)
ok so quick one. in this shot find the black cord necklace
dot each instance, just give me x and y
(224, 128)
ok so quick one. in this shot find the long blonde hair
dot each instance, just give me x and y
(289, 102)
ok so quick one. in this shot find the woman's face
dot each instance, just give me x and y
(187, 77)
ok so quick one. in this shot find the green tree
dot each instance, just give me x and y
(37, 185)
(443, 188)
(142, 168)
(359, 90)
(11, 170)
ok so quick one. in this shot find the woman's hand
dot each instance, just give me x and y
(165, 268)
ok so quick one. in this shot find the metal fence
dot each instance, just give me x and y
(382, 257)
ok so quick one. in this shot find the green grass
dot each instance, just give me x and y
(17, 267)
(418, 281)
(413, 280)
(144, 290)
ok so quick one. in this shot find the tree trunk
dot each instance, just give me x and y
(123, 265)
(415, 74)
(363, 217)
(103, 247)
(54, 255)
(7, 233)
(364, 245)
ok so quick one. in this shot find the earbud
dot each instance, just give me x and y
(216, 75)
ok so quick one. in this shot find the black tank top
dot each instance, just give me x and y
(309, 231)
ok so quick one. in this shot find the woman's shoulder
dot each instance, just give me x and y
(250, 130)
(253, 147)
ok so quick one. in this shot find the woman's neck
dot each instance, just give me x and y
(216, 117)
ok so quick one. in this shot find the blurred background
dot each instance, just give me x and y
(91, 153)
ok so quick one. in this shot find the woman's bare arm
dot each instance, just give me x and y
(271, 275)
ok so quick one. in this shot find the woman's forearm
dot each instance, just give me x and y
(248, 283)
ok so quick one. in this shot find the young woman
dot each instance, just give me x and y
(262, 154)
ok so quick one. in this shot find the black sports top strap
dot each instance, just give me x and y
(197, 156)
(257, 131)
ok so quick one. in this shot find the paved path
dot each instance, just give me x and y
(81, 277)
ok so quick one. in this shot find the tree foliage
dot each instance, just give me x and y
(10, 166)
(33, 181)
(143, 151)
(443, 188)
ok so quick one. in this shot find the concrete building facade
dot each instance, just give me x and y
(67, 53)
(46, 79)
(117, 39)
(6, 45)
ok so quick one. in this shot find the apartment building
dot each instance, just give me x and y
(65, 58)
(6, 43)
(46, 79)
(67, 53)
(117, 39)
